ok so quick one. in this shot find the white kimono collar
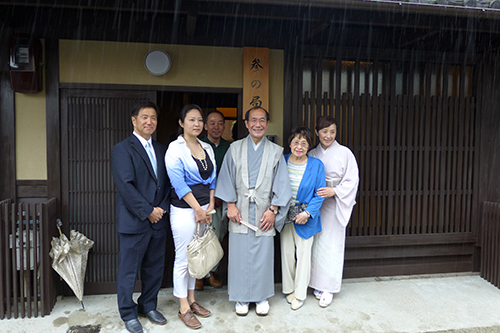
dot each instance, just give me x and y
(256, 146)
(334, 143)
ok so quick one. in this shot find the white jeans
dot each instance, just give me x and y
(183, 224)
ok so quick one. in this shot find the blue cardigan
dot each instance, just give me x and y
(312, 180)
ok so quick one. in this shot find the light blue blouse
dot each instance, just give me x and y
(182, 169)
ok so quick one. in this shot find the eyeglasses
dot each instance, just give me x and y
(261, 121)
(303, 144)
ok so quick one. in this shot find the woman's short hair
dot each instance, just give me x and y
(324, 121)
(301, 132)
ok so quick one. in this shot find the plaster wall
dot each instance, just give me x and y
(31, 148)
(98, 62)
(31, 139)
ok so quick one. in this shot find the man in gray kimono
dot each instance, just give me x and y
(254, 184)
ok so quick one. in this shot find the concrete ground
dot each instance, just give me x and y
(432, 303)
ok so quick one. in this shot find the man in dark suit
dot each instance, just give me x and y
(143, 198)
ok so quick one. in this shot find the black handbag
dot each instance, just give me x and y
(294, 211)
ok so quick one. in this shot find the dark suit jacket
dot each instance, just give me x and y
(139, 190)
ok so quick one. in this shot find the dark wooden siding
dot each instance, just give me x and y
(413, 131)
(415, 157)
(31, 190)
(490, 243)
(27, 280)
(7, 124)
(93, 122)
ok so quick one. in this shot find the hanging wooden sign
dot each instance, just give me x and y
(255, 78)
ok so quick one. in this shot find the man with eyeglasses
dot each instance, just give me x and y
(253, 182)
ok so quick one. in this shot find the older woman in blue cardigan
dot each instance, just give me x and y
(307, 175)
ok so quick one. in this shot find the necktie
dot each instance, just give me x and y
(151, 154)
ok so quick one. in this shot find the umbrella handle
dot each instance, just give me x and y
(59, 225)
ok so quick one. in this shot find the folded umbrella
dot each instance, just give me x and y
(69, 259)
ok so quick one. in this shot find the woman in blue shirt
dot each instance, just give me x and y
(191, 168)
(307, 175)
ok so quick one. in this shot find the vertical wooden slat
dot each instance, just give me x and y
(408, 123)
(357, 75)
(21, 259)
(471, 144)
(15, 285)
(374, 78)
(391, 167)
(383, 182)
(368, 72)
(375, 157)
(338, 78)
(45, 285)
(426, 161)
(461, 153)
(326, 108)
(331, 92)
(363, 144)
(419, 176)
(359, 132)
(307, 109)
(446, 164)
(5, 275)
(400, 163)
(434, 168)
(36, 257)
(319, 89)
(29, 233)
(453, 186)
(4, 241)
(413, 149)
(439, 170)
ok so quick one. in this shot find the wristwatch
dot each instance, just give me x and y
(275, 211)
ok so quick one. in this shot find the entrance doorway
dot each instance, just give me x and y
(171, 103)
(92, 122)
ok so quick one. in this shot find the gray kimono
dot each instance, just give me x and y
(251, 254)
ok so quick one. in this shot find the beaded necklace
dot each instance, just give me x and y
(202, 158)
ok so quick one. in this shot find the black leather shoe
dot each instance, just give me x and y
(155, 317)
(133, 326)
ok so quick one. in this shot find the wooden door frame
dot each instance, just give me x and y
(7, 128)
(57, 150)
(81, 90)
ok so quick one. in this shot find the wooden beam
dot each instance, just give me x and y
(7, 126)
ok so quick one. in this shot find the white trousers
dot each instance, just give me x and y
(219, 223)
(183, 225)
(295, 272)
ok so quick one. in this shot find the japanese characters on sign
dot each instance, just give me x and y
(255, 78)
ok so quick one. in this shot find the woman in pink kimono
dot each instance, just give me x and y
(342, 177)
